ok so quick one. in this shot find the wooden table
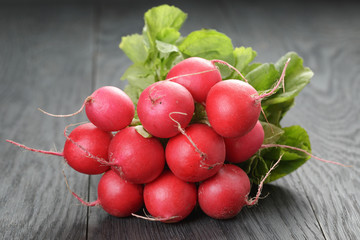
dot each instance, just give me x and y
(53, 55)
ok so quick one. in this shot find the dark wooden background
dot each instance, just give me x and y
(55, 53)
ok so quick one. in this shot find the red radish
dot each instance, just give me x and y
(196, 154)
(169, 199)
(240, 149)
(116, 196)
(135, 158)
(94, 141)
(85, 149)
(197, 75)
(109, 108)
(233, 107)
(158, 102)
(223, 195)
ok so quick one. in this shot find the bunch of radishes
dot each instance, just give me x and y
(172, 157)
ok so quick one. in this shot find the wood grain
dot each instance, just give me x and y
(36, 71)
(53, 55)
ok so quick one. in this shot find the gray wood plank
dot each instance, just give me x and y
(326, 108)
(59, 53)
(45, 61)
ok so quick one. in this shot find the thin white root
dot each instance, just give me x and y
(254, 200)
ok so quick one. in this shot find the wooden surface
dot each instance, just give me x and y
(54, 55)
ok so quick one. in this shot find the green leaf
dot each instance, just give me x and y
(162, 20)
(249, 164)
(168, 35)
(274, 113)
(250, 68)
(295, 136)
(291, 159)
(168, 55)
(134, 94)
(263, 77)
(243, 57)
(272, 133)
(134, 48)
(261, 168)
(208, 44)
(139, 76)
(168, 62)
(166, 48)
(296, 78)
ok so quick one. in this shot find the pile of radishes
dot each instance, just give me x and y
(172, 157)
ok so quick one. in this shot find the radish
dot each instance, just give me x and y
(196, 154)
(135, 158)
(94, 144)
(158, 102)
(233, 107)
(169, 199)
(109, 108)
(197, 75)
(85, 149)
(116, 196)
(240, 149)
(225, 194)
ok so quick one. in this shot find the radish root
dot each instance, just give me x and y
(254, 200)
(88, 99)
(263, 113)
(203, 155)
(190, 74)
(83, 202)
(281, 80)
(230, 66)
(302, 150)
(100, 160)
(35, 150)
(151, 218)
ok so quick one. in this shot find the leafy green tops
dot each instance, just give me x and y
(161, 46)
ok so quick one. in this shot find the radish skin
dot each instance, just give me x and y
(196, 154)
(116, 196)
(158, 101)
(169, 199)
(109, 108)
(197, 75)
(135, 158)
(224, 195)
(240, 149)
(94, 141)
(233, 107)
